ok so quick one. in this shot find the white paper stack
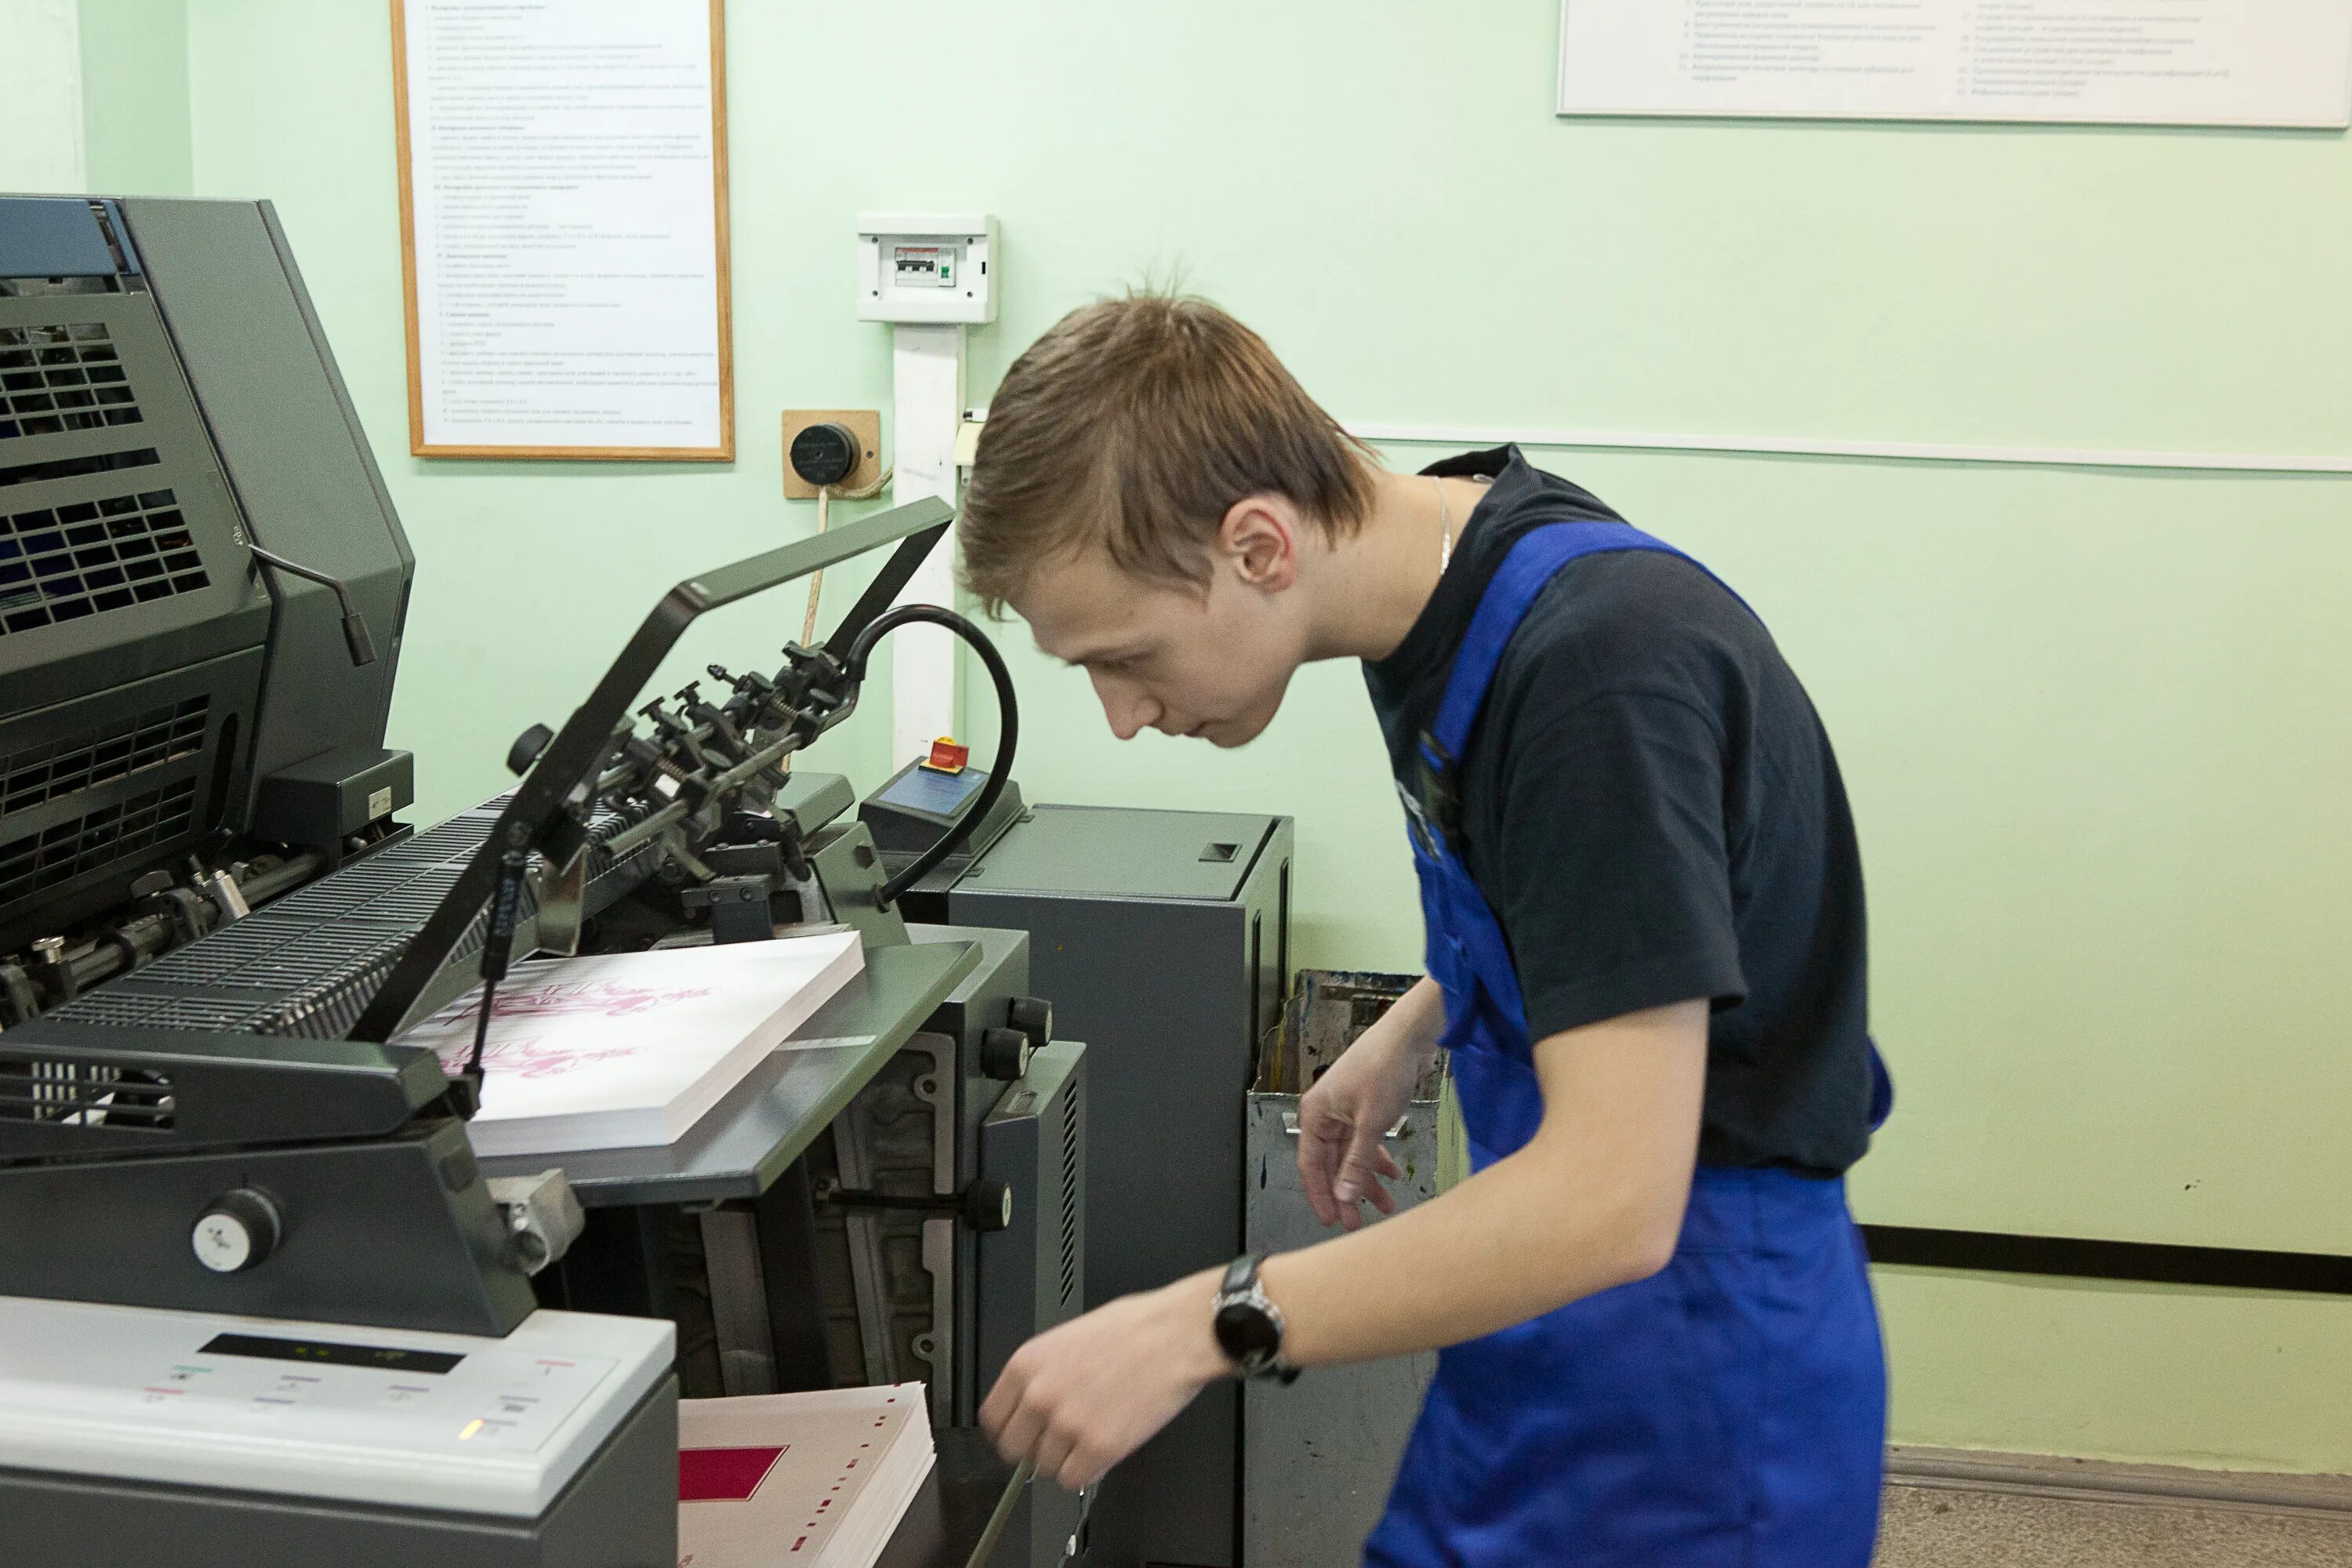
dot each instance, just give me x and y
(631, 1049)
(820, 1479)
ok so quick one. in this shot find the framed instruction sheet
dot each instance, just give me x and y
(563, 227)
(2281, 63)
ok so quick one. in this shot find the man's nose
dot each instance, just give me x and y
(1128, 709)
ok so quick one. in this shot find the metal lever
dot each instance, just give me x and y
(986, 1206)
(1290, 1126)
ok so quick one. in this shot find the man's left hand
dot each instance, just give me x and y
(1079, 1399)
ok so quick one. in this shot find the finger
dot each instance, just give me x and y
(1002, 1401)
(1379, 1197)
(1022, 1431)
(1318, 1159)
(1079, 1471)
(1055, 1451)
(1388, 1166)
(1356, 1167)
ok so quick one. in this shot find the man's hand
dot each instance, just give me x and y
(1079, 1399)
(1343, 1117)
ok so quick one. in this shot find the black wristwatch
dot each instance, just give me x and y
(1249, 1327)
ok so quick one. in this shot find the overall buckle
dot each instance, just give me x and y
(1432, 805)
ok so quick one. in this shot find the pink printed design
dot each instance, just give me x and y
(602, 998)
(529, 1056)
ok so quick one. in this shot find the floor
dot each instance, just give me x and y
(1939, 1527)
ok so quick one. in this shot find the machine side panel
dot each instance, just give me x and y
(294, 461)
(1033, 1272)
(1160, 992)
(401, 1233)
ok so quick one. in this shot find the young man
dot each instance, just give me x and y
(1644, 918)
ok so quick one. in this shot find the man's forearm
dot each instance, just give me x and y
(1594, 1201)
(1498, 1250)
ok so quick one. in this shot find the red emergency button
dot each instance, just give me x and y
(947, 757)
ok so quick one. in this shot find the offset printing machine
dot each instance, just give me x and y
(259, 1302)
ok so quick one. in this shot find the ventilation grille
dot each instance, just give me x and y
(307, 964)
(1070, 1144)
(55, 379)
(87, 557)
(90, 843)
(67, 767)
(84, 1094)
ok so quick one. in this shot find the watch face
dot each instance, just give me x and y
(1245, 1333)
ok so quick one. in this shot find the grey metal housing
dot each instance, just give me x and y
(1164, 939)
(167, 400)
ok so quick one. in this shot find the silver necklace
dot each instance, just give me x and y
(1446, 524)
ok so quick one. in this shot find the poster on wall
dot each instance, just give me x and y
(563, 228)
(2261, 63)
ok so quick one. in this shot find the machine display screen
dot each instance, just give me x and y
(383, 1358)
(935, 793)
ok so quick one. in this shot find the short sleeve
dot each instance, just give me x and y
(1609, 872)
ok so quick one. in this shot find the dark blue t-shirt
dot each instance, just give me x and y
(1651, 806)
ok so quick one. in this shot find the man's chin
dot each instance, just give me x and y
(1231, 733)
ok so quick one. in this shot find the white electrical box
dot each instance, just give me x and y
(926, 266)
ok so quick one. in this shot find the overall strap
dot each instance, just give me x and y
(1533, 561)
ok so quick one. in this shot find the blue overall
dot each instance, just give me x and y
(1728, 1410)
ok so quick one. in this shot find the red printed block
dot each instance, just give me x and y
(723, 1475)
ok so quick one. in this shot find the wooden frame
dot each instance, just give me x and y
(723, 453)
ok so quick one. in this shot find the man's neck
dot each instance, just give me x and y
(1370, 586)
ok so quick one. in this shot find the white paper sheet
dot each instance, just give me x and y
(2174, 62)
(627, 1050)
(821, 1477)
(561, 167)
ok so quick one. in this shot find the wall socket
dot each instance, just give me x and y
(866, 424)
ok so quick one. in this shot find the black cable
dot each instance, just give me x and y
(355, 632)
(1008, 728)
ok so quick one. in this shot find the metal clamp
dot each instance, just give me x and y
(543, 1217)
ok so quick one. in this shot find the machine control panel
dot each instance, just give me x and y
(432, 1420)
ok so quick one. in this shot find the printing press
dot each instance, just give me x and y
(260, 1303)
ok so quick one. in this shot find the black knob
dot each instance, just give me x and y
(1034, 1016)
(988, 1204)
(527, 748)
(239, 1230)
(1005, 1053)
(822, 454)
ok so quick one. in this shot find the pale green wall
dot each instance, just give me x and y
(2092, 722)
(135, 91)
(40, 109)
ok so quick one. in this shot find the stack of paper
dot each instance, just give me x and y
(819, 1479)
(631, 1049)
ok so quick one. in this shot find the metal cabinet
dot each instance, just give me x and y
(1162, 938)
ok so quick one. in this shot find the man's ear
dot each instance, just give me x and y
(1259, 537)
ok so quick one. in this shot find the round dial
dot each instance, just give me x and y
(236, 1232)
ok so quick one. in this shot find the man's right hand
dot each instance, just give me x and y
(1343, 1117)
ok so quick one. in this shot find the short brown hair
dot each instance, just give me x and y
(1138, 422)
